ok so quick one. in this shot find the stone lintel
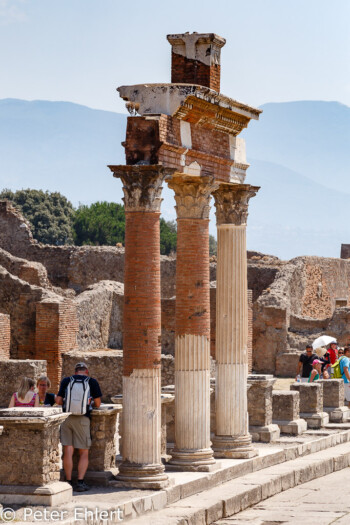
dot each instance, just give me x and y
(192, 195)
(142, 185)
(231, 202)
(185, 101)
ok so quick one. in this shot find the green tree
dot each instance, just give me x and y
(101, 223)
(212, 245)
(50, 214)
(168, 236)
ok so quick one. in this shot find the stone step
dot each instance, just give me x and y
(236, 495)
(139, 505)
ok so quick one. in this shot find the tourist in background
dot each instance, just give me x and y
(305, 364)
(25, 396)
(45, 398)
(344, 368)
(316, 372)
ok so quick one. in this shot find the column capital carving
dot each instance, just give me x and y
(142, 185)
(231, 202)
(192, 195)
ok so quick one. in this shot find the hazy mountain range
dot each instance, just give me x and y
(299, 155)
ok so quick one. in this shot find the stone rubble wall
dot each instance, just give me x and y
(100, 315)
(107, 367)
(5, 336)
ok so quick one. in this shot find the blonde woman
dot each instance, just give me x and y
(25, 397)
(45, 398)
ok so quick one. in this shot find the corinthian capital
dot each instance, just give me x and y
(192, 195)
(142, 185)
(231, 202)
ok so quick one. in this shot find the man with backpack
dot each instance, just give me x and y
(76, 394)
(345, 371)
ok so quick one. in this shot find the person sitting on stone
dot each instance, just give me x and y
(45, 398)
(305, 363)
(76, 394)
(25, 397)
(316, 372)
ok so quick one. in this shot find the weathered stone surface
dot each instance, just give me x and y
(285, 405)
(100, 315)
(37, 428)
(107, 367)
(311, 403)
(11, 373)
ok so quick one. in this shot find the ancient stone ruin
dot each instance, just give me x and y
(144, 321)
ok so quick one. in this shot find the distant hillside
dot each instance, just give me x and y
(296, 150)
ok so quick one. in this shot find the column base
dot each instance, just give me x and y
(317, 420)
(295, 427)
(193, 460)
(50, 495)
(265, 434)
(235, 447)
(137, 476)
(338, 414)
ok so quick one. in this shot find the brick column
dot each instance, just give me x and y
(232, 438)
(192, 332)
(142, 466)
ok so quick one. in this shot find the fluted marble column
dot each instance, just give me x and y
(192, 332)
(142, 466)
(232, 437)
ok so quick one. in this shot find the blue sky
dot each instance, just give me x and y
(81, 50)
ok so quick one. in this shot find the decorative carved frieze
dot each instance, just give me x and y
(231, 202)
(192, 195)
(142, 185)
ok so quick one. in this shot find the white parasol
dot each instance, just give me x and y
(324, 340)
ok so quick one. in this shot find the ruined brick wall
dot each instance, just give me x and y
(56, 334)
(31, 272)
(190, 71)
(5, 336)
(168, 326)
(100, 316)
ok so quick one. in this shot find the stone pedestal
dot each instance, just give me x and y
(192, 328)
(285, 412)
(260, 408)
(311, 403)
(333, 400)
(103, 449)
(232, 438)
(142, 466)
(29, 458)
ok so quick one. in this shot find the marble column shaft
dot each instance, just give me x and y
(232, 437)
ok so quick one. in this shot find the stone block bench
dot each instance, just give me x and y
(260, 408)
(311, 403)
(285, 412)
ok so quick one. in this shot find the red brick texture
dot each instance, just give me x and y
(5, 336)
(142, 308)
(192, 278)
(159, 142)
(189, 71)
(56, 333)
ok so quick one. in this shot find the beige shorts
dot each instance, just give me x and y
(75, 432)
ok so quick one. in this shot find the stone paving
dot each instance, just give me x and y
(322, 501)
